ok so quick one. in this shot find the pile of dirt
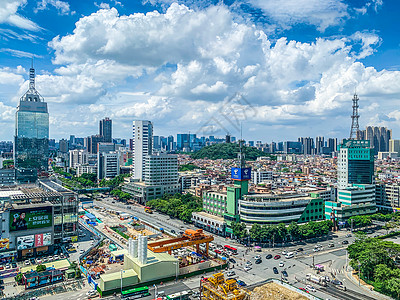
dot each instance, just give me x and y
(274, 291)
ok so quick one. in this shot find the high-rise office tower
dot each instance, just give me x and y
(170, 143)
(319, 144)
(31, 141)
(307, 145)
(105, 130)
(332, 144)
(378, 137)
(355, 163)
(142, 145)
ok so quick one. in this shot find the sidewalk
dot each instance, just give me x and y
(366, 287)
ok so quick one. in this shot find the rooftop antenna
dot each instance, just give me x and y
(32, 77)
(354, 118)
(241, 155)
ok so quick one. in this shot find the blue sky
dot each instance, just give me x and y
(283, 69)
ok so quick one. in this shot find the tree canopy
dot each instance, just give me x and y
(227, 151)
(178, 206)
(375, 259)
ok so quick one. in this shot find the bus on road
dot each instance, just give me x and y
(230, 248)
(136, 293)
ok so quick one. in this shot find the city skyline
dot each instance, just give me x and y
(295, 70)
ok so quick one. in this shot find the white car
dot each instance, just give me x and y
(248, 263)
(56, 257)
(284, 252)
(310, 288)
(27, 262)
(90, 293)
(316, 249)
(281, 264)
(247, 268)
(230, 273)
(38, 261)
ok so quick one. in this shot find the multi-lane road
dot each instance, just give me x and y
(333, 258)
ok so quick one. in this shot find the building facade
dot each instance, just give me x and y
(31, 140)
(107, 165)
(105, 130)
(160, 177)
(142, 145)
(260, 176)
(355, 164)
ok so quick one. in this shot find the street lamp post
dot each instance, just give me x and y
(176, 271)
(122, 271)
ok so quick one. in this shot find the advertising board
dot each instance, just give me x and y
(30, 218)
(241, 173)
(4, 244)
(25, 242)
(43, 239)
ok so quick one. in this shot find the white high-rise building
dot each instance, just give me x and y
(161, 169)
(77, 157)
(142, 145)
(107, 165)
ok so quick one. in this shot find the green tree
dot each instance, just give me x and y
(40, 268)
(393, 284)
(382, 272)
(294, 230)
(239, 230)
(255, 232)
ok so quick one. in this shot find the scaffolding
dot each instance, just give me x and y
(217, 288)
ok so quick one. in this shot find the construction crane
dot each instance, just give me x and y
(189, 238)
(217, 288)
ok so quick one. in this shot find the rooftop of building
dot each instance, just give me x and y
(153, 258)
(283, 197)
(54, 186)
(117, 275)
(209, 216)
(32, 204)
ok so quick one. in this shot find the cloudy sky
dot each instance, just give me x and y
(282, 69)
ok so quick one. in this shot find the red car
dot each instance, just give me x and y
(304, 290)
(277, 256)
(217, 251)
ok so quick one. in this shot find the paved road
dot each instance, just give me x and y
(333, 258)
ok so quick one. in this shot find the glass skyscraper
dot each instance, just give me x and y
(31, 141)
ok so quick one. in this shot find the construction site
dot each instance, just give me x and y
(217, 288)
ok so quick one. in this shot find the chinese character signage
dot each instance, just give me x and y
(241, 174)
(30, 218)
(43, 239)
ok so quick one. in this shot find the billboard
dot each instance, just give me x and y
(30, 218)
(4, 244)
(42, 239)
(241, 174)
(25, 242)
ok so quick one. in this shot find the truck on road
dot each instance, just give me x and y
(316, 279)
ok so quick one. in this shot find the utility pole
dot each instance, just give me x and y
(313, 264)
